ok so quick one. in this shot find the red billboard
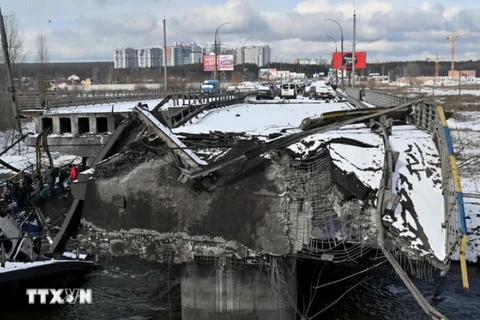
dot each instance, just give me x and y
(224, 62)
(346, 60)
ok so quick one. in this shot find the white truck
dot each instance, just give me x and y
(289, 91)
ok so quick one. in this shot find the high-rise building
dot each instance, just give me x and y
(196, 53)
(150, 57)
(259, 55)
(177, 54)
(125, 58)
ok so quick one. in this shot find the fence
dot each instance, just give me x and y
(378, 98)
(430, 117)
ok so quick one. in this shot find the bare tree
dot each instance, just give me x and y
(15, 44)
(42, 60)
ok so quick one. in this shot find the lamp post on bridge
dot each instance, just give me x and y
(243, 48)
(243, 56)
(165, 77)
(341, 48)
(216, 53)
(354, 40)
(336, 73)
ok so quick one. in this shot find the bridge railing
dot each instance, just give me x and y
(430, 117)
(68, 99)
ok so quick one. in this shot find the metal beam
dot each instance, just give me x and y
(165, 134)
(8, 166)
(70, 225)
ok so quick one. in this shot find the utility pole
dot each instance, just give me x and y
(216, 56)
(11, 86)
(353, 47)
(435, 75)
(216, 53)
(165, 79)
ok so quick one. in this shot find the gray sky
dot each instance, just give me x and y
(89, 30)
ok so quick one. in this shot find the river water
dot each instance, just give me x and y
(130, 289)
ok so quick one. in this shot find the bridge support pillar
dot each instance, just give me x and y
(224, 290)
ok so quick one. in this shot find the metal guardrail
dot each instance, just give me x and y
(68, 99)
(378, 98)
(205, 103)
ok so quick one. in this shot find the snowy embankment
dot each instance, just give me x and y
(22, 156)
(465, 131)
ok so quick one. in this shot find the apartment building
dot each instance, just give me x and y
(125, 58)
(259, 55)
(150, 57)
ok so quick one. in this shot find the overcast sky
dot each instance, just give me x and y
(89, 30)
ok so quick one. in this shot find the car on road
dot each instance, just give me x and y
(276, 89)
(321, 92)
(265, 92)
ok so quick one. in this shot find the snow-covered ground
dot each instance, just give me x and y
(465, 130)
(444, 91)
(22, 156)
(440, 81)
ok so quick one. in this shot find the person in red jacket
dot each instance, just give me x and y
(73, 172)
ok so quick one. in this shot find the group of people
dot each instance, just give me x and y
(16, 195)
(60, 178)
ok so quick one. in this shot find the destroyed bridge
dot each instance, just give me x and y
(245, 184)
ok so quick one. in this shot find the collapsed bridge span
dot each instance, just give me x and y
(297, 193)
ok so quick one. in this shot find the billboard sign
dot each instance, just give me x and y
(347, 60)
(265, 74)
(224, 62)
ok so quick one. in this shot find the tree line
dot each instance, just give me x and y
(104, 73)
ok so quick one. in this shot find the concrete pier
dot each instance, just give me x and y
(222, 290)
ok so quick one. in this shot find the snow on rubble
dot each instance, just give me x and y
(356, 149)
(363, 158)
(417, 178)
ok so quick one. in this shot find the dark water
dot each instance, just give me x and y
(129, 289)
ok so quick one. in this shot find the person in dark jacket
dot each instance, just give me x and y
(22, 195)
(50, 180)
(6, 203)
(63, 176)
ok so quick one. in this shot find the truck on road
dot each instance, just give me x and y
(210, 87)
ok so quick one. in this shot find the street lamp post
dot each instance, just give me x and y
(165, 78)
(335, 41)
(216, 53)
(341, 48)
(243, 56)
(336, 73)
(243, 49)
